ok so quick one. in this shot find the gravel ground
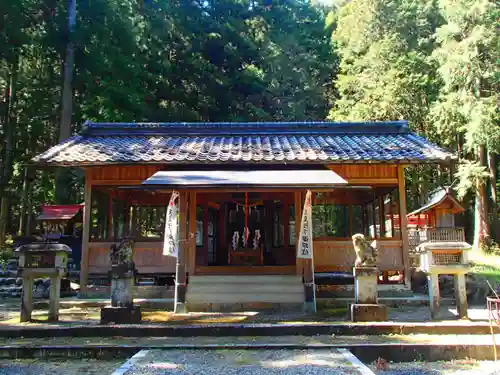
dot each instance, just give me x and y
(255, 340)
(458, 367)
(9, 314)
(58, 367)
(243, 362)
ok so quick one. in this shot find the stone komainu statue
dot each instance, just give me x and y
(366, 254)
(123, 253)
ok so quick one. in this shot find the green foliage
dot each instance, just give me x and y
(154, 60)
(467, 55)
(471, 177)
(386, 72)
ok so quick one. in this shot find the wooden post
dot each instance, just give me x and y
(298, 216)
(87, 208)
(110, 233)
(180, 269)
(403, 222)
(205, 233)
(286, 228)
(192, 234)
(381, 215)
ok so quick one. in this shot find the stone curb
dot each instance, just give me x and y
(135, 330)
(397, 352)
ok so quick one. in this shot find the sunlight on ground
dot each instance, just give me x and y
(320, 358)
(197, 318)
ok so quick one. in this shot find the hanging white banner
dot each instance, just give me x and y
(171, 241)
(305, 246)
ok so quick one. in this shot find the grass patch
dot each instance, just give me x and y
(485, 266)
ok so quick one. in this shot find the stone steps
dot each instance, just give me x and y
(241, 290)
(139, 291)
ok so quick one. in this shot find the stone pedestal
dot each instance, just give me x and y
(121, 315)
(27, 299)
(460, 294)
(54, 297)
(434, 295)
(365, 307)
(122, 309)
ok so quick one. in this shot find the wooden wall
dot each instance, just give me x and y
(121, 175)
(356, 174)
(148, 258)
(333, 255)
(367, 174)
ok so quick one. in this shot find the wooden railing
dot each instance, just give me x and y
(418, 236)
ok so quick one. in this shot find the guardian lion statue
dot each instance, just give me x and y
(366, 254)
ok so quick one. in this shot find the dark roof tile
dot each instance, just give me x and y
(243, 142)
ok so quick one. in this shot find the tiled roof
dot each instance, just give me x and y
(437, 197)
(272, 142)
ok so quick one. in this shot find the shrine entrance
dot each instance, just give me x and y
(242, 231)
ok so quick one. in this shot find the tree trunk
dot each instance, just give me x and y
(24, 202)
(63, 175)
(494, 198)
(9, 125)
(67, 93)
(29, 214)
(481, 227)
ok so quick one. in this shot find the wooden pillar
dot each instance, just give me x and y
(87, 210)
(205, 234)
(286, 227)
(381, 214)
(110, 217)
(403, 222)
(180, 269)
(298, 216)
(192, 234)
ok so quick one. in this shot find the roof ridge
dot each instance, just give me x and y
(239, 128)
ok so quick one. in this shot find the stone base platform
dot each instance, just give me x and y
(368, 312)
(121, 315)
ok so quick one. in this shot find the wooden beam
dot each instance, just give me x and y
(180, 269)
(298, 216)
(87, 209)
(192, 234)
(403, 222)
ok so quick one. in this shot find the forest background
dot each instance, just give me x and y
(434, 63)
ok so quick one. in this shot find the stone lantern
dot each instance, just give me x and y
(42, 260)
(445, 258)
